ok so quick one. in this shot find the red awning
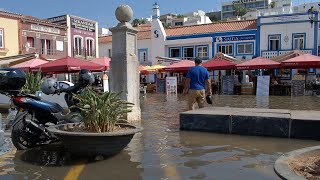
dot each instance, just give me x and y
(258, 63)
(26, 66)
(303, 61)
(68, 64)
(104, 61)
(218, 64)
(183, 65)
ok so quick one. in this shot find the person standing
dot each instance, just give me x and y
(196, 81)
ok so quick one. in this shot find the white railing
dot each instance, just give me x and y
(284, 52)
(272, 54)
(269, 54)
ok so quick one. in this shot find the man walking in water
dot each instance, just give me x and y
(196, 81)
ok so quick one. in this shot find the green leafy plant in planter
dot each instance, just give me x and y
(102, 112)
(33, 82)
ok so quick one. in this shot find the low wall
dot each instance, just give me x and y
(256, 122)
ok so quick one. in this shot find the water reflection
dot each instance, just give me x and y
(162, 151)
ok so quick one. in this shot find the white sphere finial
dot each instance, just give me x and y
(124, 13)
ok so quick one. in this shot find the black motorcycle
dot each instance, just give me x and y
(29, 128)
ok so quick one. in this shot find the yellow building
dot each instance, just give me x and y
(9, 36)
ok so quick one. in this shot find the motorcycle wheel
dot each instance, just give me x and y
(19, 136)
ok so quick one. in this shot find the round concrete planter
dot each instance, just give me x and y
(282, 168)
(92, 144)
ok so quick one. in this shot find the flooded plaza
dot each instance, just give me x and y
(162, 151)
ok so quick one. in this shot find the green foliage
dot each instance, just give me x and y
(180, 16)
(273, 4)
(33, 82)
(239, 11)
(102, 111)
(135, 22)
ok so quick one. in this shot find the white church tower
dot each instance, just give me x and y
(158, 35)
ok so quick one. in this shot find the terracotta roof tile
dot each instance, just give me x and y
(140, 36)
(145, 30)
(30, 18)
(105, 39)
(214, 27)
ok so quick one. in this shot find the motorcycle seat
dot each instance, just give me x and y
(72, 117)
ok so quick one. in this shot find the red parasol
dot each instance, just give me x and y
(302, 62)
(104, 61)
(68, 64)
(218, 64)
(258, 63)
(26, 66)
(183, 65)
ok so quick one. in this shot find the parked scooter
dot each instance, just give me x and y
(34, 115)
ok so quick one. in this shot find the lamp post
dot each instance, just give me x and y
(311, 14)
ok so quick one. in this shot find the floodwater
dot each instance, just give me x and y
(162, 151)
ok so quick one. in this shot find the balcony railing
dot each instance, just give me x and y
(84, 53)
(272, 54)
(192, 58)
(47, 51)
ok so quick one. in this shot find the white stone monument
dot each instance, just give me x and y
(124, 71)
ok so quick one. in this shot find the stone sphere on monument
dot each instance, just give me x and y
(124, 13)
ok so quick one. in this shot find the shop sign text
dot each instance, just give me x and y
(45, 29)
(83, 25)
(234, 38)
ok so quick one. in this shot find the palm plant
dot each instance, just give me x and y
(102, 112)
(239, 11)
(33, 82)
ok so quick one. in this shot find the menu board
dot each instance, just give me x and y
(161, 84)
(171, 85)
(227, 85)
(263, 84)
(297, 87)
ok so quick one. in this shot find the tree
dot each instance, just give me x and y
(180, 16)
(143, 21)
(239, 11)
(273, 4)
(135, 22)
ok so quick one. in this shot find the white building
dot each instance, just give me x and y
(306, 6)
(268, 36)
(227, 8)
(281, 34)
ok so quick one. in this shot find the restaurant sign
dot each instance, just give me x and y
(234, 38)
(45, 29)
(58, 19)
(83, 25)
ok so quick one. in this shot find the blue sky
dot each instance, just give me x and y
(103, 10)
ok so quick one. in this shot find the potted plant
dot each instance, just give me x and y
(104, 131)
(33, 82)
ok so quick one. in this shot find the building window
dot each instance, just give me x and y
(226, 49)
(90, 47)
(175, 52)
(1, 39)
(202, 51)
(46, 47)
(298, 41)
(109, 53)
(274, 42)
(245, 48)
(78, 45)
(188, 53)
(30, 41)
(178, 23)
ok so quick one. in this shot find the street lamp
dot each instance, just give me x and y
(311, 14)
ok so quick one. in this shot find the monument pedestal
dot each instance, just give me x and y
(124, 71)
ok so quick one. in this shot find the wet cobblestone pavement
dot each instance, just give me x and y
(162, 151)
